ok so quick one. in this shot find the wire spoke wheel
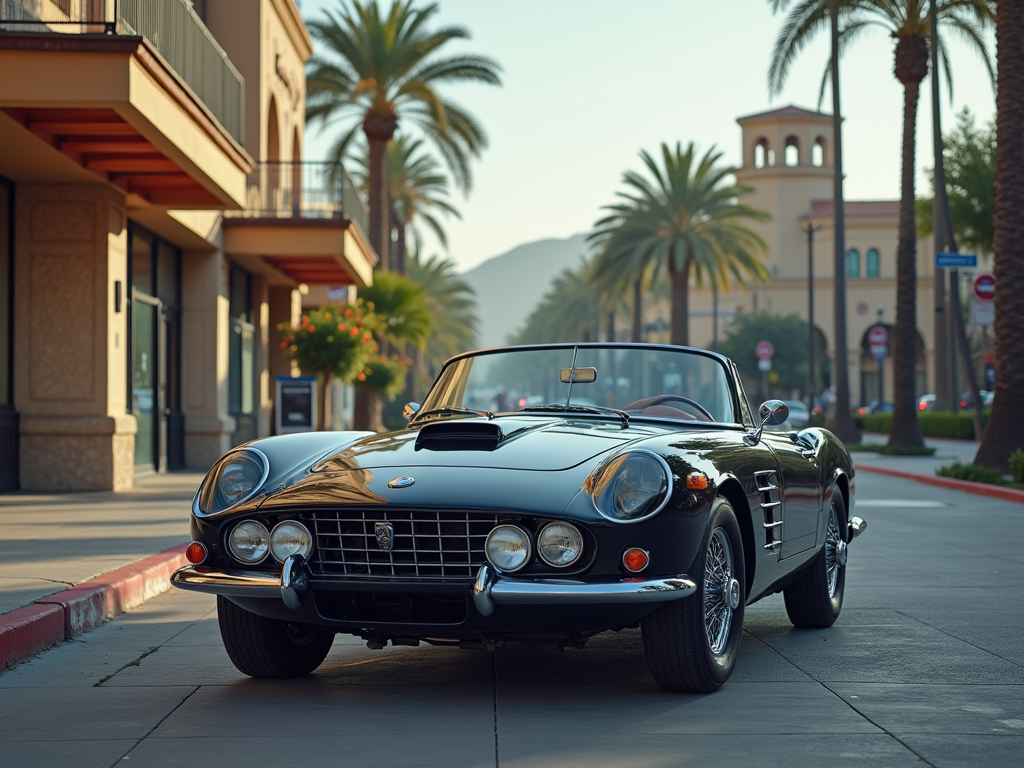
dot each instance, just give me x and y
(835, 552)
(718, 584)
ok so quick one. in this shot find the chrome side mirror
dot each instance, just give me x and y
(410, 410)
(771, 412)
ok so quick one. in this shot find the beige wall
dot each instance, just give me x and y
(70, 345)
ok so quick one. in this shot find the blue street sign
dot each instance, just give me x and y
(956, 260)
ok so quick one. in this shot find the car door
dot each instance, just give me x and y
(801, 492)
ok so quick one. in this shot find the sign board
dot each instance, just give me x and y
(983, 312)
(295, 404)
(878, 340)
(765, 350)
(943, 260)
(764, 364)
(984, 288)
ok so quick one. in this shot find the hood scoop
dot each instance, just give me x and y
(459, 435)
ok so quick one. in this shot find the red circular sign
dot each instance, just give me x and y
(765, 350)
(878, 336)
(985, 287)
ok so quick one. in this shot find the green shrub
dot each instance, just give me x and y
(906, 450)
(974, 472)
(876, 422)
(1017, 466)
(958, 426)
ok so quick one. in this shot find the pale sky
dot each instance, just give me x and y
(589, 83)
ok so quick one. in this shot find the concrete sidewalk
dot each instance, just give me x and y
(70, 561)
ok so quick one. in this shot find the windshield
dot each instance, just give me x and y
(643, 381)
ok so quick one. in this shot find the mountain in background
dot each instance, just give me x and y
(509, 286)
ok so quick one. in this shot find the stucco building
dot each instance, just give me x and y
(156, 223)
(788, 159)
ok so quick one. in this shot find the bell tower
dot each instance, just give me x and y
(788, 159)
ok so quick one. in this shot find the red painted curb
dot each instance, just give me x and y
(29, 630)
(66, 614)
(978, 489)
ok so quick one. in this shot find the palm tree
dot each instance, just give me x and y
(908, 23)
(1005, 431)
(417, 190)
(573, 309)
(401, 307)
(687, 220)
(382, 69)
(452, 305)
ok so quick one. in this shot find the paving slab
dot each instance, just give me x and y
(80, 753)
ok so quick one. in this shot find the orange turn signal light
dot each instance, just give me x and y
(635, 559)
(195, 552)
(696, 481)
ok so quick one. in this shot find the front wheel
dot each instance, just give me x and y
(815, 600)
(261, 647)
(691, 644)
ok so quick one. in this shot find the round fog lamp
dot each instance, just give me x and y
(635, 559)
(507, 548)
(195, 553)
(290, 538)
(560, 544)
(249, 542)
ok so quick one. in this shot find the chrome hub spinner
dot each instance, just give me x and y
(732, 594)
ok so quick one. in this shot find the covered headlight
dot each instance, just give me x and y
(560, 544)
(631, 487)
(508, 548)
(234, 479)
(249, 542)
(290, 538)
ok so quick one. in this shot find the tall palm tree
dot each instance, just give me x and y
(685, 219)
(417, 192)
(908, 23)
(452, 306)
(380, 69)
(1005, 431)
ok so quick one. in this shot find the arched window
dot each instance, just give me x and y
(872, 265)
(818, 152)
(792, 156)
(761, 153)
(853, 263)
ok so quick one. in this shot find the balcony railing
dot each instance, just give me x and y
(301, 190)
(172, 29)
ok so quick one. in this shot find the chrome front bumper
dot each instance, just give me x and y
(489, 589)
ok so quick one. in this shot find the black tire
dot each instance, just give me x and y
(261, 647)
(678, 643)
(815, 600)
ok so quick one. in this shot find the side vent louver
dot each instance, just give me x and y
(459, 436)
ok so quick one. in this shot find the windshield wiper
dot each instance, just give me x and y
(580, 409)
(452, 411)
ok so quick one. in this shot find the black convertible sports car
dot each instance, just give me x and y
(543, 493)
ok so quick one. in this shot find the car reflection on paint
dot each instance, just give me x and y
(634, 487)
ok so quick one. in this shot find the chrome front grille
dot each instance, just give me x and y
(424, 544)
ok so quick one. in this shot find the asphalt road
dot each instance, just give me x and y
(924, 667)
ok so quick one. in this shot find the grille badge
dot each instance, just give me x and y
(401, 482)
(385, 534)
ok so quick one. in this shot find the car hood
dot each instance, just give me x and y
(526, 443)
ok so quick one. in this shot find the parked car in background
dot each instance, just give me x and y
(966, 401)
(875, 407)
(799, 416)
(668, 508)
(927, 403)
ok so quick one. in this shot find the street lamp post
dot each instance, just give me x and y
(881, 364)
(812, 379)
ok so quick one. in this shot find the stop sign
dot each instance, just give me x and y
(765, 350)
(985, 287)
(877, 336)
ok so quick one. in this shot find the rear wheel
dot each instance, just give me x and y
(691, 644)
(817, 598)
(261, 647)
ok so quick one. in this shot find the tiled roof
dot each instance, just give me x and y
(823, 209)
(790, 111)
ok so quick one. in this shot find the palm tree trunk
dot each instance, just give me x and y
(911, 67)
(362, 410)
(943, 231)
(841, 420)
(1005, 432)
(400, 246)
(379, 129)
(323, 384)
(680, 320)
(638, 310)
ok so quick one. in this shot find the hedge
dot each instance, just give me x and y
(959, 426)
